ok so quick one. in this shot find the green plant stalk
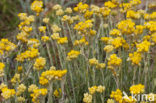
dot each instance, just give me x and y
(50, 99)
(27, 74)
(72, 82)
(134, 74)
(63, 90)
(49, 54)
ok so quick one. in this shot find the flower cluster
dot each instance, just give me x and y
(6, 92)
(133, 15)
(50, 75)
(6, 46)
(114, 61)
(137, 89)
(94, 62)
(72, 55)
(38, 94)
(143, 46)
(126, 26)
(20, 89)
(117, 95)
(39, 63)
(81, 42)
(112, 35)
(85, 28)
(15, 79)
(37, 6)
(29, 54)
(89, 96)
(135, 58)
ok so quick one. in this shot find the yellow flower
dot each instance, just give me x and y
(151, 25)
(68, 10)
(22, 36)
(92, 90)
(59, 12)
(37, 6)
(117, 95)
(3, 86)
(22, 16)
(1, 52)
(45, 38)
(132, 14)
(143, 46)
(72, 55)
(92, 32)
(100, 65)
(152, 5)
(57, 7)
(62, 40)
(15, 79)
(81, 7)
(100, 89)
(114, 61)
(55, 28)
(87, 98)
(28, 54)
(153, 37)
(105, 11)
(27, 29)
(55, 36)
(95, 9)
(33, 43)
(124, 7)
(57, 92)
(32, 87)
(46, 20)
(126, 26)
(137, 89)
(7, 93)
(106, 39)
(38, 93)
(6, 46)
(146, 38)
(20, 89)
(80, 42)
(43, 81)
(2, 65)
(67, 18)
(139, 29)
(130, 99)
(135, 58)
(21, 99)
(135, 2)
(110, 4)
(108, 48)
(42, 29)
(52, 68)
(146, 16)
(117, 42)
(110, 101)
(115, 32)
(51, 74)
(88, 14)
(19, 68)
(93, 61)
(85, 27)
(30, 19)
(39, 63)
(76, 18)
